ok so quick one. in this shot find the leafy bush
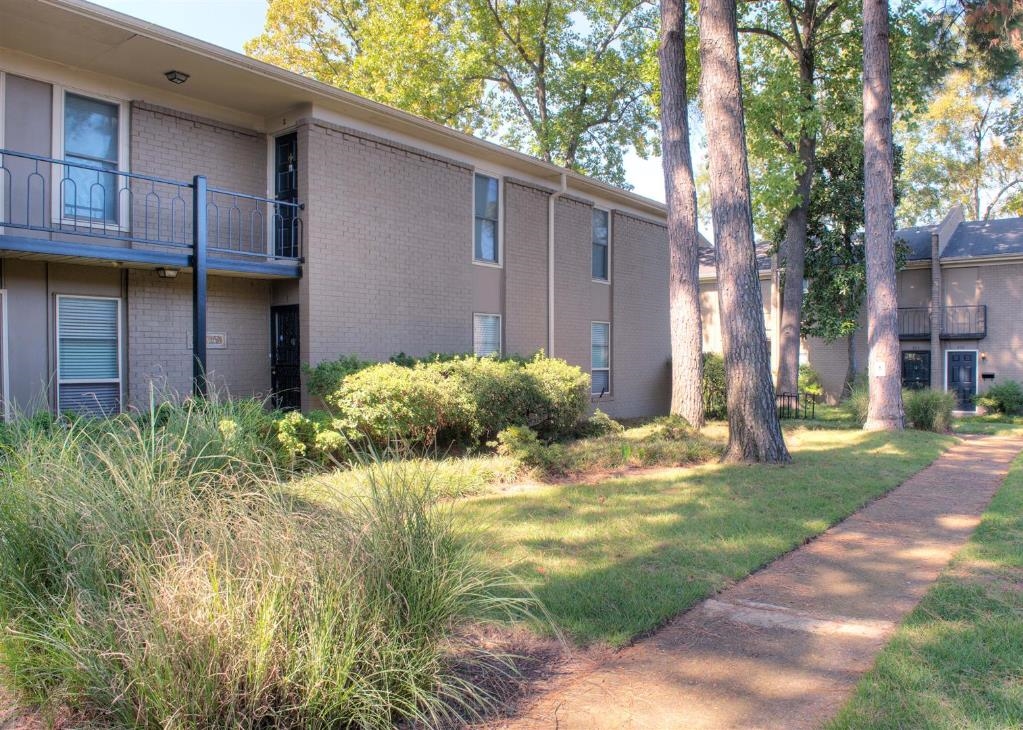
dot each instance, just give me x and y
(674, 427)
(317, 438)
(715, 400)
(522, 444)
(323, 379)
(599, 424)
(564, 392)
(1006, 398)
(810, 381)
(502, 394)
(929, 410)
(140, 588)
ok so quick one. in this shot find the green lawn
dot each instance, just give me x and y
(995, 423)
(618, 559)
(957, 660)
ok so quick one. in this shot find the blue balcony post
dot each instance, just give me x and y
(199, 233)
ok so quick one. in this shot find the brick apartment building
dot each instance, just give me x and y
(137, 163)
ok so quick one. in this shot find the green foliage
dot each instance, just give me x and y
(564, 395)
(522, 444)
(149, 580)
(929, 410)
(715, 401)
(599, 424)
(458, 399)
(810, 381)
(317, 438)
(1005, 398)
(323, 378)
(567, 81)
(858, 401)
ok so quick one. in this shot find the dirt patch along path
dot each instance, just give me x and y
(785, 647)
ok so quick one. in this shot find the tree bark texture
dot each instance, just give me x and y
(885, 412)
(680, 188)
(754, 432)
(793, 255)
(852, 366)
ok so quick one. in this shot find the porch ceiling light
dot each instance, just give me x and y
(164, 273)
(176, 77)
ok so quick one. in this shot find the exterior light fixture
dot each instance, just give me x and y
(164, 273)
(983, 356)
(176, 77)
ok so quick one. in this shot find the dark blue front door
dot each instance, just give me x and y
(962, 377)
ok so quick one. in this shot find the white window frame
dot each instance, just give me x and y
(610, 362)
(976, 365)
(123, 152)
(609, 237)
(500, 220)
(500, 332)
(78, 381)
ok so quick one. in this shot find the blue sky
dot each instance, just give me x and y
(229, 23)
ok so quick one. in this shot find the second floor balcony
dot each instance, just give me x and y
(55, 207)
(966, 322)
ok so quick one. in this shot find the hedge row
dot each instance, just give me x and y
(462, 399)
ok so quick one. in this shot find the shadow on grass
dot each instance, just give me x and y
(618, 559)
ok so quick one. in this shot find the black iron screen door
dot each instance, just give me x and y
(286, 190)
(962, 377)
(916, 369)
(285, 358)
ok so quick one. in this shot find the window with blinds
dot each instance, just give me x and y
(601, 239)
(88, 355)
(600, 358)
(486, 334)
(487, 210)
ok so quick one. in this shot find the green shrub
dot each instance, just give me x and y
(1005, 398)
(564, 393)
(325, 377)
(858, 401)
(140, 588)
(316, 437)
(810, 381)
(502, 394)
(674, 427)
(715, 400)
(387, 403)
(929, 410)
(522, 444)
(599, 424)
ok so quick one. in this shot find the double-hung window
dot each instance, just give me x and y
(600, 358)
(601, 239)
(487, 212)
(89, 187)
(486, 334)
(88, 355)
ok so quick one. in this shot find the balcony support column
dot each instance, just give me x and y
(937, 313)
(199, 264)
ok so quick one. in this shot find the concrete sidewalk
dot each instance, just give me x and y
(785, 647)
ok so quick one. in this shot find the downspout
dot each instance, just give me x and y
(550, 262)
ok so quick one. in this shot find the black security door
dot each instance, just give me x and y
(916, 369)
(285, 358)
(962, 377)
(286, 190)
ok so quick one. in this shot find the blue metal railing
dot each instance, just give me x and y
(74, 198)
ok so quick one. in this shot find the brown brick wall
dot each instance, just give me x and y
(572, 282)
(640, 330)
(388, 248)
(160, 331)
(526, 271)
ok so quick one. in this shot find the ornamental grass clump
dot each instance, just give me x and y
(150, 580)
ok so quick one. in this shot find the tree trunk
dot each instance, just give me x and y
(793, 255)
(680, 188)
(850, 373)
(754, 432)
(885, 412)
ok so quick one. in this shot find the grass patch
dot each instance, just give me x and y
(995, 423)
(618, 559)
(957, 660)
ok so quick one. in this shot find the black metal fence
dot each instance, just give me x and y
(43, 194)
(963, 322)
(796, 405)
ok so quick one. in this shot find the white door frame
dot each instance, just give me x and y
(976, 370)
